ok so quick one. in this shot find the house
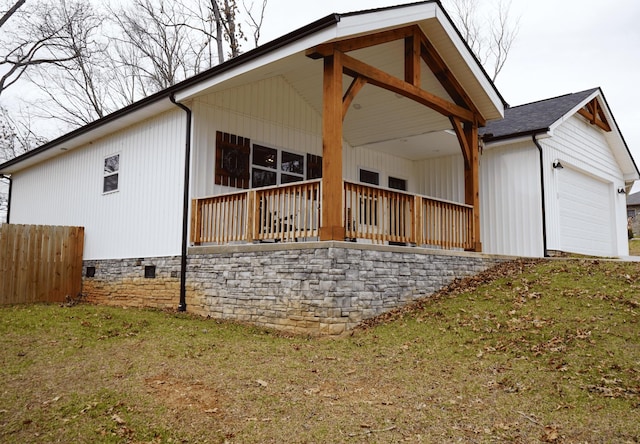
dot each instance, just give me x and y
(320, 179)
(555, 174)
(633, 212)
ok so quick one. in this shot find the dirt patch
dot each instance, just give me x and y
(176, 394)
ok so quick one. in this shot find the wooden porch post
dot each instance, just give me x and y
(471, 181)
(332, 227)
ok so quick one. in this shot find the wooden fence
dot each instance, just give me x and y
(40, 263)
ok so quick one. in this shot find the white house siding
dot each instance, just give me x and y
(271, 112)
(511, 200)
(142, 219)
(268, 112)
(442, 177)
(582, 148)
(386, 164)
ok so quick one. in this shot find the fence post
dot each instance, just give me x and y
(417, 228)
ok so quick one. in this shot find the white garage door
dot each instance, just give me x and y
(586, 214)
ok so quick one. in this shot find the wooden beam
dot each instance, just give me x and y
(594, 113)
(355, 87)
(332, 227)
(444, 75)
(352, 44)
(412, 53)
(458, 128)
(472, 182)
(375, 76)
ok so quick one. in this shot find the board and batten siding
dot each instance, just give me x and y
(142, 219)
(269, 112)
(582, 147)
(442, 177)
(511, 200)
(272, 113)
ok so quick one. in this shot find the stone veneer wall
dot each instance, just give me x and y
(321, 287)
(315, 288)
(122, 282)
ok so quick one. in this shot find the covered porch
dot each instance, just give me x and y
(295, 140)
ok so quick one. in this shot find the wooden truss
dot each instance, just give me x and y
(461, 111)
(594, 113)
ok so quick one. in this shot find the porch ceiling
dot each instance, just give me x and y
(379, 118)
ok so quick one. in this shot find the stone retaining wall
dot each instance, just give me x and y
(319, 288)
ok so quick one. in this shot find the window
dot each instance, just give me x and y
(369, 177)
(314, 166)
(270, 166)
(232, 160)
(397, 184)
(111, 172)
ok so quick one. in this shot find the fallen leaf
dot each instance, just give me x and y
(550, 434)
(117, 419)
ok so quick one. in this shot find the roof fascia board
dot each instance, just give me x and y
(472, 61)
(352, 25)
(614, 138)
(95, 130)
(517, 139)
(257, 62)
(573, 111)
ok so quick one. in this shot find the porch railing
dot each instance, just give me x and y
(292, 213)
(383, 215)
(282, 213)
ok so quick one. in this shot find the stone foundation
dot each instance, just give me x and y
(320, 288)
(315, 288)
(122, 282)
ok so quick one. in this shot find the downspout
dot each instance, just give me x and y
(544, 206)
(185, 207)
(2, 176)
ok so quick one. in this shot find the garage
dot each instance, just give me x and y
(586, 214)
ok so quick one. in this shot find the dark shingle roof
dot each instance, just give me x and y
(532, 118)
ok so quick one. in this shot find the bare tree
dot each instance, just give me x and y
(490, 36)
(145, 46)
(77, 91)
(31, 36)
(254, 19)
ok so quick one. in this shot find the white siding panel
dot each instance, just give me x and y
(384, 163)
(269, 112)
(511, 201)
(142, 219)
(442, 177)
(583, 147)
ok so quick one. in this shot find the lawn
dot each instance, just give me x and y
(528, 352)
(634, 247)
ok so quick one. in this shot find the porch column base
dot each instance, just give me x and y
(332, 233)
(477, 247)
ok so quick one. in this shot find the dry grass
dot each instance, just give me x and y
(527, 353)
(634, 247)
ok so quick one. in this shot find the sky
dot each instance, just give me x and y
(563, 46)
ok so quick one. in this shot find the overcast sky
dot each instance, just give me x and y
(563, 46)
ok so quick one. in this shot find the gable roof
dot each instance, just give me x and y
(542, 117)
(285, 55)
(533, 118)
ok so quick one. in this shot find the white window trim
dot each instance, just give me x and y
(105, 175)
(278, 169)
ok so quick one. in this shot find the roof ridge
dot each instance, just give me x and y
(555, 98)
